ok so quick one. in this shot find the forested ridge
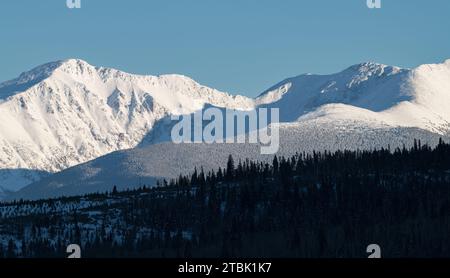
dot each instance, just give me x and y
(315, 205)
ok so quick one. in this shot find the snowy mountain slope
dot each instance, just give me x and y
(146, 165)
(371, 86)
(68, 112)
(65, 113)
(398, 97)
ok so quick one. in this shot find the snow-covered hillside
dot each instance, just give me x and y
(145, 165)
(65, 113)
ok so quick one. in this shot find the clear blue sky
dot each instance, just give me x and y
(238, 46)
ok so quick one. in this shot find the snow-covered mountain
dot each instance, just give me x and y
(65, 113)
(68, 112)
(373, 92)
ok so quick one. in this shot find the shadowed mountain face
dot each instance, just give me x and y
(11, 176)
(27, 80)
(65, 113)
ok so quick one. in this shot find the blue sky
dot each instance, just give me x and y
(238, 46)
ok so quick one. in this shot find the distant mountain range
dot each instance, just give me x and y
(66, 113)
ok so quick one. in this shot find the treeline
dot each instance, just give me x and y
(309, 205)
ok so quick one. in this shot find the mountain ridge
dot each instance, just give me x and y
(68, 112)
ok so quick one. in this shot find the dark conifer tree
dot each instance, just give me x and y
(230, 168)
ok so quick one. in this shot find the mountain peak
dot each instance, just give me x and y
(34, 76)
(45, 70)
(75, 67)
(372, 68)
(72, 62)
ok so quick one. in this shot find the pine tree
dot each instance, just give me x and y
(230, 168)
